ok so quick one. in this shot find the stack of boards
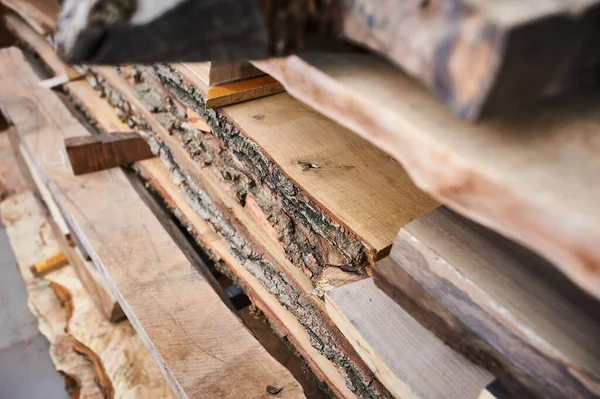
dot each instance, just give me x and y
(381, 291)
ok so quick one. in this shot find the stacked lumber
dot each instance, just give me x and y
(97, 358)
(316, 224)
(194, 360)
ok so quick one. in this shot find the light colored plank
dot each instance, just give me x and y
(123, 365)
(157, 175)
(202, 351)
(507, 306)
(94, 283)
(31, 239)
(533, 179)
(404, 355)
(347, 176)
(246, 237)
(223, 72)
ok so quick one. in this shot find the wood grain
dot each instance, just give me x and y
(405, 356)
(31, 239)
(200, 351)
(532, 179)
(259, 253)
(245, 90)
(482, 57)
(497, 302)
(90, 154)
(94, 283)
(157, 176)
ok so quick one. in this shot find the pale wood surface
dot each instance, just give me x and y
(158, 177)
(247, 230)
(405, 356)
(348, 177)
(533, 179)
(531, 321)
(94, 283)
(201, 351)
(117, 352)
(31, 239)
(79, 334)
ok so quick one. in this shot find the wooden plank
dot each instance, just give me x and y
(158, 177)
(405, 356)
(124, 366)
(31, 240)
(201, 351)
(497, 302)
(258, 252)
(218, 73)
(532, 179)
(90, 154)
(39, 45)
(238, 92)
(470, 52)
(297, 168)
(94, 283)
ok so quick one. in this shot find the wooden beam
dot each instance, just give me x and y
(157, 176)
(259, 252)
(496, 302)
(41, 15)
(123, 365)
(349, 197)
(404, 355)
(470, 53)
(201, 351)
(90, 154)
(510, 174)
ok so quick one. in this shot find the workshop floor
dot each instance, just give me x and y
(26, 371)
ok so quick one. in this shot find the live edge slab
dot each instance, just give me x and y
(202, 351)
(532, 177)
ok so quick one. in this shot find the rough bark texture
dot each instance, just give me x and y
(311, 238)
(323, 334)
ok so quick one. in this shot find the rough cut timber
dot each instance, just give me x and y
(101, 114)
(260, 253)
(31, 239)
(531, 178)
(86, 271)
(89, 154)
(405, 356)
(496, 302)
(482, 56)
(84, 345)
(222, 360)
(329, 198)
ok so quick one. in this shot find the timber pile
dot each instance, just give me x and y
(300, 213)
